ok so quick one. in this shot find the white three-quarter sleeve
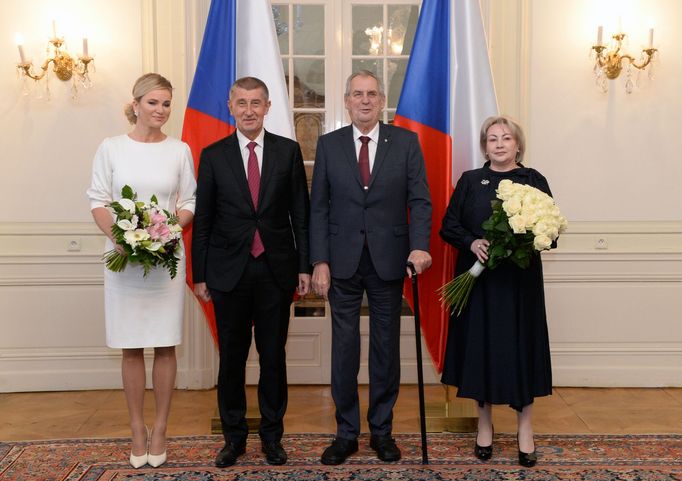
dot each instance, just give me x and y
(187, 186)
(100, 192)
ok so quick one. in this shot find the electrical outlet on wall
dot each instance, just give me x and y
(601, 243)
(74, 245)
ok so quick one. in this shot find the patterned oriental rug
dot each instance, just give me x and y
(561, 457)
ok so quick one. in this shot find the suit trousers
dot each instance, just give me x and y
(256, 303)
(385, 300)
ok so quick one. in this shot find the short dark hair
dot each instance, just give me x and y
(250, 83)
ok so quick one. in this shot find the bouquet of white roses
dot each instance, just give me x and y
(524, 221)
(150, 236)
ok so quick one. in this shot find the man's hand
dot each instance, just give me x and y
(421, 261)
(201, 291)
(321, 279)
(303, 283)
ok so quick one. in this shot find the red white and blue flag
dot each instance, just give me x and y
(447, 94)
(239, 40)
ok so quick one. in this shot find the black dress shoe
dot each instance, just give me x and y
(274, 452)
(385, 447)
(527, 460)
(229, 454)
(484, 453)
(339, 451)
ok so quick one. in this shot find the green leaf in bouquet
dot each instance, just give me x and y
(521, 258)
(498, 251)
(128, 193)
(488, 224)
(502, 226)
(154, 200)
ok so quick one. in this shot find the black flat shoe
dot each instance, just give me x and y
(527, 460)
(339, 451)
(385, 448)
(229, 454)
(274, 453)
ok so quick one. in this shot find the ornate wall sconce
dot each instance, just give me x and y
(609, 60)
(64, 65)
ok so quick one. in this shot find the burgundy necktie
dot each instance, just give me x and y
(253, 177)
(363, 161)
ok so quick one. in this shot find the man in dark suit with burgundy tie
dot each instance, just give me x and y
(250, 252)
(367, 177)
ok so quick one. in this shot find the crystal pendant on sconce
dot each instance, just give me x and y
(600, 79)
(628, 80)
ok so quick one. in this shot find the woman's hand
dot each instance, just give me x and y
(480, 249)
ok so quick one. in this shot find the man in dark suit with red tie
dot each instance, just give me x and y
(367, 177)
(250, 252)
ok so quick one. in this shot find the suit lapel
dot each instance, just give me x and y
(269, 158)
(236, 164)
(382, 148)
(348, 143)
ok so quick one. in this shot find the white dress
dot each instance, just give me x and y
(143, 311)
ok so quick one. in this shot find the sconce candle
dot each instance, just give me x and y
(85, 46)
(651, 38)
(54, 29)
(20, 46)
(600, 33)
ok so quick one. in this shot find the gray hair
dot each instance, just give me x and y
(364, 73)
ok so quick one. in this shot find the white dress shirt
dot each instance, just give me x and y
(244, 141)
(372, 145)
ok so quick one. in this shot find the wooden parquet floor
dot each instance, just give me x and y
(83, 414)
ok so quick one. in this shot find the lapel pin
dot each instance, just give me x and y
(485, 182)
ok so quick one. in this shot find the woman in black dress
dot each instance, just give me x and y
(498, 347)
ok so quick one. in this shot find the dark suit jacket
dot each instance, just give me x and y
(343, 213)
(225, 219)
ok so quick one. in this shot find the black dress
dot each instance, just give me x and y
(498, 347)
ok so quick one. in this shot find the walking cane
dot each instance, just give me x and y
(420, 369)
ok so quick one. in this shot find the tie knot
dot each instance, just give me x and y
(364, 139)
(251, 146)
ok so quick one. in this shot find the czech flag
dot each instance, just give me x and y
(447, 94)
(239, 40)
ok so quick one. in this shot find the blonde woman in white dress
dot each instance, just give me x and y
(145, 312)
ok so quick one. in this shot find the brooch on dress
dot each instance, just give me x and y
(485, 182)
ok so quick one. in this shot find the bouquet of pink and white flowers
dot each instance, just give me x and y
(524, 221)
(150, 236)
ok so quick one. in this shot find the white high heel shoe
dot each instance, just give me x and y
(155, 460)
(139, 461)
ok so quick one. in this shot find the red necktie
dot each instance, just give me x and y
(363, 161)
(253, 177)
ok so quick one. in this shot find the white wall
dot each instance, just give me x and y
(611, 160)
(610, 157)
(51, 299)
(613, 286)
(47, 146)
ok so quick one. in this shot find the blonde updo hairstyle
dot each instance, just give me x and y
(144, 85)
(514, 128)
